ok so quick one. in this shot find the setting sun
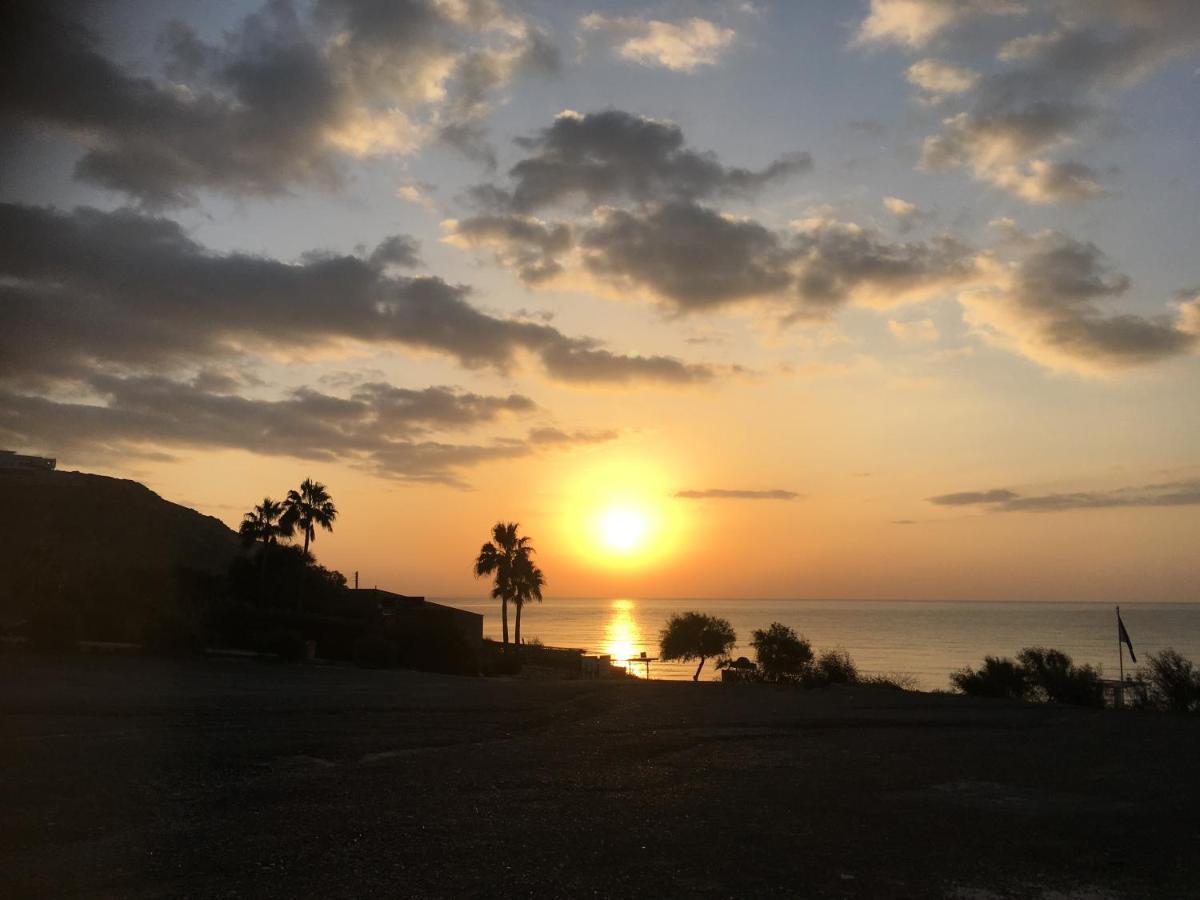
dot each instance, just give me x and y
(622, 530)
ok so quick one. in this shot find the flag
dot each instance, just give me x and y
(1124, 636)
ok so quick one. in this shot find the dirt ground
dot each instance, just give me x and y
(131, 777)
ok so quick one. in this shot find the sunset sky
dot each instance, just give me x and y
(879, 299)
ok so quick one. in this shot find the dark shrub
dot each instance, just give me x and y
(832, 667)
(893, 681)
(289, 645)
(54, 628)
(998, 677)
(1051, 675)
(172, 634)
(497, 662)
(782, 654)
(373, 651)
(1174, 682)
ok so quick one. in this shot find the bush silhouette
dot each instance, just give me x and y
(1052, 676)
(782, 654)
(832, 667)
(1174, 682)
(997, 677)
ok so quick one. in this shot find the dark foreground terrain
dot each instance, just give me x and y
(130, 777)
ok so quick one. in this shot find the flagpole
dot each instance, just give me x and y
(1120, 651)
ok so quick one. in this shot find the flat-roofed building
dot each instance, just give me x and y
(399, 610)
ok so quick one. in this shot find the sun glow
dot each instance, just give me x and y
(622, 529)
(619, 514)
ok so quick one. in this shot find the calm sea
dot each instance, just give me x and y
(925, 640)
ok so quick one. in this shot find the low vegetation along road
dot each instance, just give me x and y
(133, 777)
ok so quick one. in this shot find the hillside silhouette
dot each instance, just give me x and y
(108, 548)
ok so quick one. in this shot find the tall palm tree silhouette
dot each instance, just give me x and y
(307, 509)
(528, 582)
(498, 557)
(265, 523)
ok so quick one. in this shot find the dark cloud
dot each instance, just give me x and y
(277, 103)
(90, 290)
(730, 494)
(526, 244)
(688, 254)
(612, 155)
(1173, 493)
(378, 426)
(696, 258)
(1046, 305)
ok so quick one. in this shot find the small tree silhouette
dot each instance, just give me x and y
(693, 635)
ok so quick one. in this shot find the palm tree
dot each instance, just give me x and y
(266, 523)
(499, 557)
(528, 582)
(309, 508)
(306, 509)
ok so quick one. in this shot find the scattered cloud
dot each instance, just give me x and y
(970, 498)
(380, 427)
(278, 102)
(602, 157)
(908, 215)
(1054, 85)
(87, 290)
(416, 193)
(938, 78)
(1045, 304)
(694, 258)
(1172, 493)
(682, 46)
(914, 23)
(736, 494)
(523, 243)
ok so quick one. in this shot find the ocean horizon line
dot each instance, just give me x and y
(694, 599)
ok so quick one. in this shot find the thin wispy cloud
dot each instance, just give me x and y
(1172, 493)
(736, 494)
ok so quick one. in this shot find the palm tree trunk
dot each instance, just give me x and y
(504, 618)
(303, 574)
(517, 633)
(262, 574)
(696, 677)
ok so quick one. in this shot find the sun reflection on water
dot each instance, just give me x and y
(622, 639)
